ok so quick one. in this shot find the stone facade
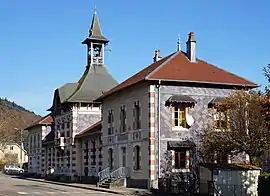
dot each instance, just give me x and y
(123, 144)
(35, 151)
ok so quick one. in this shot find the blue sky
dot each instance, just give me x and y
(40, 41)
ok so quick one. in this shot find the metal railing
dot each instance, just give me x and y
(104, 174)
(118, 173)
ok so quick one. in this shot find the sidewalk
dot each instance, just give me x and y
(118, 191)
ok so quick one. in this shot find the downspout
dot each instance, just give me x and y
(158, 87)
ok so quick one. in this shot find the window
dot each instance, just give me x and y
(222, 158)
(136, 116)
(137, 158)
(110, 158)
(110, 122)
(124, 157)
(11, 148)
(179, 116)
(122, 119)
(180, 159)
(221, 120)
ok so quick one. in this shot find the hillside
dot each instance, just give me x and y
(14, 116)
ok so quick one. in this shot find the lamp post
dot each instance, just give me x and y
(21, 149)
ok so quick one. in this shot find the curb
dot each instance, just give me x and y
(74, 186)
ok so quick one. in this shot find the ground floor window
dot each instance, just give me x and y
(180, 160)
(137, 158)
(110, 153)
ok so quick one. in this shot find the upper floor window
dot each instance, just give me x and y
(11, 148)
(123, 119)
(136, 115)
(221, 120)
(180, 107)
(110, 122)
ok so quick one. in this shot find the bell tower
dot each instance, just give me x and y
(96, 43)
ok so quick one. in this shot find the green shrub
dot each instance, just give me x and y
(264, 184)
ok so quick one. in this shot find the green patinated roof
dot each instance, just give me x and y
(95, 32)
(66, 90)
(95, 81)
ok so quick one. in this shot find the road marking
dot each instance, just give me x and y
(22, 193)
(75, 192)
(37, 193)
(50, 192)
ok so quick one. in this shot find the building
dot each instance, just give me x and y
(74, 110)
(90, 157)
(14, 149)
(36, 133)
(159, 111)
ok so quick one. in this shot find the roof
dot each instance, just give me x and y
(95, 81)
(94, 128)
(45, 120)
(95, 31)
(231, 166)
(178, 68)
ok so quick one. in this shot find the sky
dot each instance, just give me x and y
(40, 41)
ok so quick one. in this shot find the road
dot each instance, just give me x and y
(17, 187)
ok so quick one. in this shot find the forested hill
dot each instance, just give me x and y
(14, 117)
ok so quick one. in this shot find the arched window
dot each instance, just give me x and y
(110, 152)
(137, 158)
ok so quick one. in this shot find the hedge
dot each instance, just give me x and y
(264, 184)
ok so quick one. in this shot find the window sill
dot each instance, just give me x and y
(137, 170)
(180, 170)
(179, 129)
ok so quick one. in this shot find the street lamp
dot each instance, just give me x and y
(21, 140)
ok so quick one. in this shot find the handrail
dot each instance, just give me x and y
(118, 173)
(104, 174)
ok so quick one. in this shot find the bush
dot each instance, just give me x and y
(264, 184)
(2, 164)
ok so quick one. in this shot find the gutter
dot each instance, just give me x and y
(158, 87)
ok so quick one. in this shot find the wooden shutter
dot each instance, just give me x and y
(134, 117)
(172, 109)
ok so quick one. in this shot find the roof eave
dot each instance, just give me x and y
(203, 82)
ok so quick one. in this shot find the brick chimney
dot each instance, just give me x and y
(191, 47)
(157, 56)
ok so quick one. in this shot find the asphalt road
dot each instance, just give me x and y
(17, 187)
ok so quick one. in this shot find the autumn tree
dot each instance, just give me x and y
(243, 128)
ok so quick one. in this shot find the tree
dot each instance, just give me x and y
(245, 129)
(266, 71)
(10, 158)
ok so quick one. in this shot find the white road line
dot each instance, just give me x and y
(22, 193)
(37, 193)
(52, 193)
(76, 192)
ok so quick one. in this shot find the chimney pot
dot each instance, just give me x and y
(191, 47)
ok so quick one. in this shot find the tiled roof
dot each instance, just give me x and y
(92, 128)
(177, 67)
(46, 120)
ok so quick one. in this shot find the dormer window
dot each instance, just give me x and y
(180, 108)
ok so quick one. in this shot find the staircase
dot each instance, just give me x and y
(109, 179)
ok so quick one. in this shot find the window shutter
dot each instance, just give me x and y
(173, 125)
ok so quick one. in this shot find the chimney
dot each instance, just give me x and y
(191, 47)
(178, 44)
(157, 56)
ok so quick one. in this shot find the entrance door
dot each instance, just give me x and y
(124, 157)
